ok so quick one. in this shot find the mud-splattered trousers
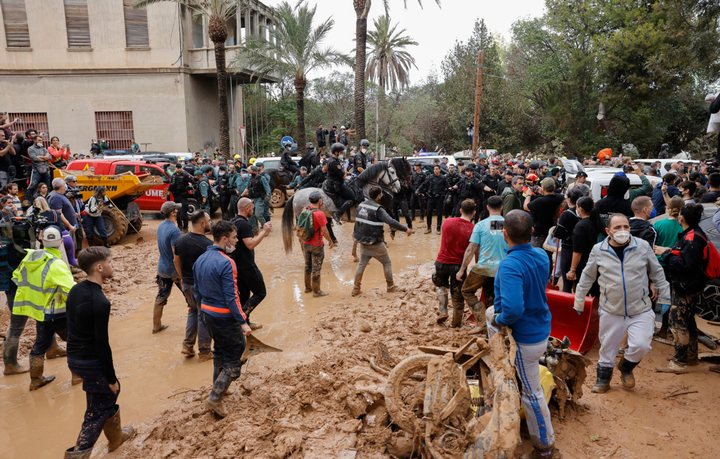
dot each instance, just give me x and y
(314, 257)
(537, 413)
(379, 252)
(684, 328)
(101, 401)
(229, 344)
(194, 328)
(164, 290)
(444, 278)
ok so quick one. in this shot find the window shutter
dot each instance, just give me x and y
(116, 128)
(17, 32)
(78, 24)
(136, 27)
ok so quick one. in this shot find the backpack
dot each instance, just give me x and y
(306, 225)
(712, 270)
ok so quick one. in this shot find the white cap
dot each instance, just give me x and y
(342, 127)
(52, 237)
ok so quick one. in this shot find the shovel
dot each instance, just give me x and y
(254, 346)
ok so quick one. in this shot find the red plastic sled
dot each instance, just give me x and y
(582, 330)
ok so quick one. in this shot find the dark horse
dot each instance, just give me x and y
(386, 174)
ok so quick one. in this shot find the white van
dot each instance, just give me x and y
(598, 181)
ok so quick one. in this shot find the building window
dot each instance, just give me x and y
(78, 24)
(198, 32)
(136, 26)
(231, 31)
(17, 33)
(116, 128)
(37, 121)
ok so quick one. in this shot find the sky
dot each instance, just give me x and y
(436, 29)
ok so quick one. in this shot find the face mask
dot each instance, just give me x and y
(9, 208)
(221, 174)
(621, 237)
(39, 144)
(229, 248)
(244, 176)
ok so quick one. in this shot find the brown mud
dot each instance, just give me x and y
(320, 398)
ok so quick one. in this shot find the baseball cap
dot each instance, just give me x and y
(52, 237)
(168, 207)
(547, 183)
(315, 196)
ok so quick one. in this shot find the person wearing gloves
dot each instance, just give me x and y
(624, 266)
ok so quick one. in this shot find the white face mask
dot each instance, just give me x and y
(621, 237)
(229, 249)
(39, 144)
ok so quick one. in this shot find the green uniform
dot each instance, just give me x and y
(205, 193)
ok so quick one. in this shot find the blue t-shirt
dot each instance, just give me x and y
(58, 201)
(492, 245)
(167, 235)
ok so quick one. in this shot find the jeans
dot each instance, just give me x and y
(164, 289)
(437, 205)
(537, 414)
(36, 178)
(379, 252)
(250, 280)
(100, 399)
(195, 328)
(92, 223)
(474, 282)
(46, 333)
(229, 343)
(258, 217)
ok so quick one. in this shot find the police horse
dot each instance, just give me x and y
(386, 174)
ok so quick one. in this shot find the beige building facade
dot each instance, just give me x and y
(90, 69)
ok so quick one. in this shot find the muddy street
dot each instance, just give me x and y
(319, 398)
(150, 367)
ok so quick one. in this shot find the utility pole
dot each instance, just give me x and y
(478, 93)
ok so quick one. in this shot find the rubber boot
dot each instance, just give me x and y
(626, 368)
(308, 283)
(55, 350)
(391, 287)
(442, 296)
(604, 375)
(316, 290)
(478, 309)
(70, 453)
(458, 310)
(105, 243)
(337, 216)
(10, 350)
(157, 318)
(37, 366)
(547, 453)
(356, 289)
(214, 401)
(114, 431)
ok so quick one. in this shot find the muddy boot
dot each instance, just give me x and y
(442, 296)
(391, 287)
(205, 356)
(105, 243)
(114, 431)
(604, 375)
(308, 283)
(10, 350)
(626, 368)
(214, 402)
(187, 350)
(55, 350)
(548, 453)
(428, 231)
(70, 453)
(157, 319)
(37, 366)
(692, 358)
(458, 310)
(478, 309)
(316, 290)
(356, 289)
(75, 380)
(253, 326)
(673, 367)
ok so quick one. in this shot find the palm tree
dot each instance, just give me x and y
(362, 9)
(217, 13)
(294, 52)
(388, 62)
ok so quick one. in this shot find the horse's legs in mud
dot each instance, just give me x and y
(330, 230)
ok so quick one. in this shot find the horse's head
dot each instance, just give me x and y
(391, 179)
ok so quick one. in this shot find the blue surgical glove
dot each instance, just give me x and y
(579, 312)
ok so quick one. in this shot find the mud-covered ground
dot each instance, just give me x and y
(320, 398)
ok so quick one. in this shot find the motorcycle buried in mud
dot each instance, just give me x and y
(465, 402)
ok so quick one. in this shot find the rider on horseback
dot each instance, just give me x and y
(335, 183)
(286, 160)
(359, 161)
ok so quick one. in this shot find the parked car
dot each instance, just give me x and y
(599, 178)
(428, 162)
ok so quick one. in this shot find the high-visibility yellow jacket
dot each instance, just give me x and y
(43, 281)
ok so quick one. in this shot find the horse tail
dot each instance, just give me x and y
(288, 223)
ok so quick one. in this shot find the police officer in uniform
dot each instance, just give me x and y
(265, 178)
(316, 178)
(179, 189)
(359, 161)
(256, 191)
(335, 183)
(286, 160)
(468, 188)
(204, 187)
(434, 190)
(451, 199)
(224, 190)
(417, 179)
(489, 182)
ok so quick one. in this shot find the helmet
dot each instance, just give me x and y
(531, 179)
(52, 237)
(365, 143)
(495, 160)
(309, 146)
(287, 142)
(252, 160)
(664, 146)
(236, 157)
(337, 148)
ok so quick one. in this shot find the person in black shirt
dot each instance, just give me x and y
(316, 178)
(7, 152)
(249, 278)
(417, 179)
(543, 209)
(89, 355)
(320, 135)
(434, 189)
(564, 231)
(584, 238)
(188, 249)
(332, 136)
(714, 194)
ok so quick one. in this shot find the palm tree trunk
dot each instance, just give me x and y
(300, 84)
(360, 44)
(218, 35)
